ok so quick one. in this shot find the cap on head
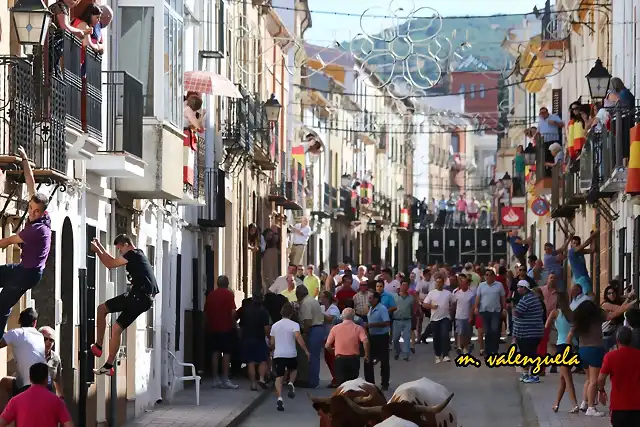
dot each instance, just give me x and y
(524, 284)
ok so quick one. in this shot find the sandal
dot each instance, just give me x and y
(575, 410)
(555, 408)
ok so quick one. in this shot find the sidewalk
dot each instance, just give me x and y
(542, 397)
(218, 408)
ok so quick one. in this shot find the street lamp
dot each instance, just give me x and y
(371, 226)
(506, 180)
(31, 19)
(530, 155)
(400, 192)
(345, 180)
(598, 80)
(272, 108)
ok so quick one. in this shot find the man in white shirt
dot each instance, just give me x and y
(464, 299)
(28, 349)
(284, 335)
(549, 126)
(362, 273)
(391, 285)
(300, 237)
(281, 283)
(439, 301)
(417, 272)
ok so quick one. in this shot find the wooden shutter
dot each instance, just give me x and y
(556, 102)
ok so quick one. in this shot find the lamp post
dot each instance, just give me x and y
(31, 20)
(599, 80)
(272, 109)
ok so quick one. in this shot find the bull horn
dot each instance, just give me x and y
(318, 399)
(435, 409)
(363, 399)
(373, 410)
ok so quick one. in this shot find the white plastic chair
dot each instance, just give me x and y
(193, 377)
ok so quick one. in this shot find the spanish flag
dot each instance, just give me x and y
(297, 153)
(576, 137)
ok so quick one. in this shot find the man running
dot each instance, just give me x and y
(131, 304)
(35, 242)
(284, 335)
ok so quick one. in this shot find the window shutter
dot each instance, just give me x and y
(556, 102)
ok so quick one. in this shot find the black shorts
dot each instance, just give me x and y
(282, 364)
(528, 346)
(223, 342)
(130, 305)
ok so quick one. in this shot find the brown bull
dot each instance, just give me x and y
(419, 414)
(334, 411)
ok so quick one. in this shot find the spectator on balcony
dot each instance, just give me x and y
(600, 119)
(451, 210)
(558, 155)
(485, 207)
(620, 95)
(549, 125)
(300, 236)
(105, 20)
(472, 212)
(579, 116)
(87, 21)
(519, 171)
(60, 23)
(461, 208)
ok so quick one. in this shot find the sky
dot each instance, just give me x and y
(327, 28)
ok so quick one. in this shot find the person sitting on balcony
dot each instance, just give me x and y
(557, 153)
(35, 242)
(88, 20)
(193, 112)
(131, 304)
(105, 20)
(59, 24)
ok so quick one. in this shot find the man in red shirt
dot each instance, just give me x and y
(220, 310)
(346, 291)
(36, 406)
(622, 365)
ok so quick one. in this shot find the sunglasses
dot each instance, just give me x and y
(49, 340)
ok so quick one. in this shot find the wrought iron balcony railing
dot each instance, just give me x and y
(194, 185)
(214, 212)
(247, 125)
(34, 115)
(616, 143)
(383, 138)
(334, 198)
(567, 193)
(543, 155)
(124, 105)
(326, 197)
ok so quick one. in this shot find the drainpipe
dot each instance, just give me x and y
(157, 326)
(83, 351)
(112, 419)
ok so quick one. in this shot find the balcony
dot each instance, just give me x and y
(616, 142)
(368, 128)
(543, 173)
(277, 189)
(569, 191)
(213, 214)
(122, 157)
(555, 40)
(325, 206)
(239, 131)
(83, 96)
(294, 189)
(383, 139)
(193, 169)
(34, 118)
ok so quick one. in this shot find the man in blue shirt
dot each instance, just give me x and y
(578, 264)
(553, 260)
(386, 299)
(378, 327)
(519, 247)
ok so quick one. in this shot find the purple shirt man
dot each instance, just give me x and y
(36, 238)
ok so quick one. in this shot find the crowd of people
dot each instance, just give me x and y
(359, 318)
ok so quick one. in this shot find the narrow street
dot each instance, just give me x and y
(483, 397)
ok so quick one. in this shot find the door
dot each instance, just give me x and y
(67, 327)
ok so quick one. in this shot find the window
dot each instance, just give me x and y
(472, 91)
(455, 143)
(173, 66)
(151, 255)
(135, 49)
(461, 89)
(482, 90)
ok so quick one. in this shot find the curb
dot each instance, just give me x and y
(529, 417)
(235, 418)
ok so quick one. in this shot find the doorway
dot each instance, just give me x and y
(67, 328)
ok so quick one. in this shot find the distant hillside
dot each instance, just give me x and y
(477, 37)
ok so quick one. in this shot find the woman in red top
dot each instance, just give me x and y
(89, 18)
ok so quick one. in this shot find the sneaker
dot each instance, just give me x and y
(396, 357)
(227, 384)
(280, 405)
(292, 391)
(97, 351)
(524, 377)
(459, 351)
(104, 371)
(438, 360)
(406, 359)
(583, 406)
(262, 384)
(470, 350)
(446, 359)
(593, 412)
(531, 379)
